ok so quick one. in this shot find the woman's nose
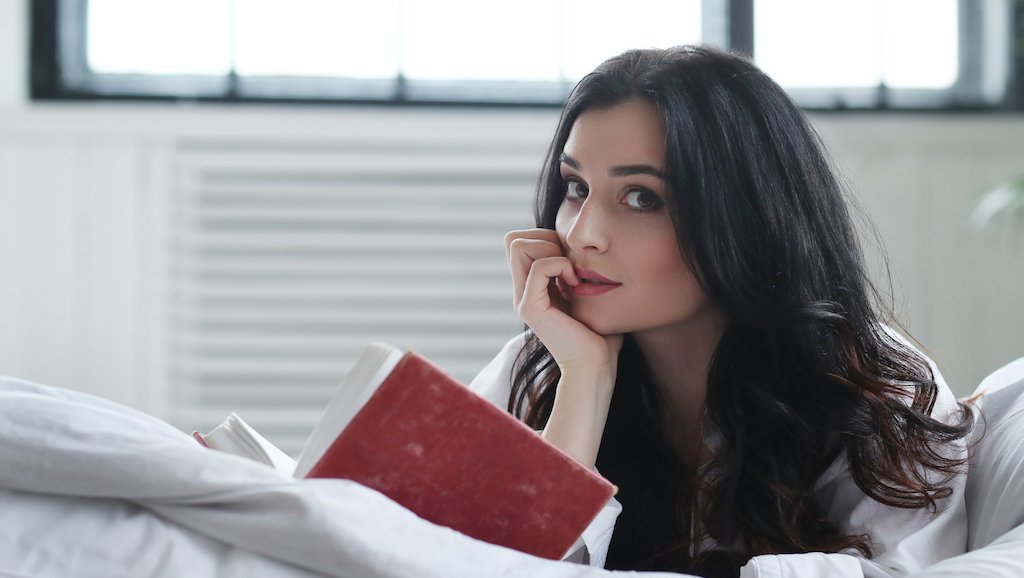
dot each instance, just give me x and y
(588, 230)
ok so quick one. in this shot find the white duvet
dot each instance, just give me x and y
(93, 489)
(89, 488)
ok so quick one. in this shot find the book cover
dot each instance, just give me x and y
(429, 443)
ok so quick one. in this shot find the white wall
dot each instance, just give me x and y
(918, 178)
(84, 191)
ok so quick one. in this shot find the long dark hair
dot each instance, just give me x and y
(805, 371)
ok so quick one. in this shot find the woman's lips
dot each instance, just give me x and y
(592, 283)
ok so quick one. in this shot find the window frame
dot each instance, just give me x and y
(58, 72)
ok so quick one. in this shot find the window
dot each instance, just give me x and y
(827, 53)
(387, 50)
(886, 53)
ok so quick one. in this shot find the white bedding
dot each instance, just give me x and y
(995, 484)
(90, 488)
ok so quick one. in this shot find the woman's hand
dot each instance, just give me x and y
(542, 276)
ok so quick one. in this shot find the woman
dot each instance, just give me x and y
(702, 331)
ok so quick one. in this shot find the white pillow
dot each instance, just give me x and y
(995, 480)
(995, 484)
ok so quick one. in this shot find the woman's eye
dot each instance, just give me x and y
(576, 190)
(643, 200)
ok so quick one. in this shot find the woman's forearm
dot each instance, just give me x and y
(579, 413)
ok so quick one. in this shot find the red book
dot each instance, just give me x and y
(404, 427)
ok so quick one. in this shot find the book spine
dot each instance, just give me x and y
(199, 438)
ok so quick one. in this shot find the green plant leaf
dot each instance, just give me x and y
(1006, 200)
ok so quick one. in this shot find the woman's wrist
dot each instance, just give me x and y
(593, 382)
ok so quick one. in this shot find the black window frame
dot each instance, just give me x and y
(728, 23)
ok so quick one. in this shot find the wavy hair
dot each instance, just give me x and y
(805, 371)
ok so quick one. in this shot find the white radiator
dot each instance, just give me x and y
(286, 261)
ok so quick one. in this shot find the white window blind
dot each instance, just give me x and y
(288, 261)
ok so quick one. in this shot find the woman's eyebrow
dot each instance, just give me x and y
(619, 171)
(564, 158)
(626, 170)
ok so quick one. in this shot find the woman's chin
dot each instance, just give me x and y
(596, 323)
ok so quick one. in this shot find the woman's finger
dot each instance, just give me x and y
(523, 253)
(539, 292)
(533, 234)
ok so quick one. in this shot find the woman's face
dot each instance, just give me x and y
(615, 228)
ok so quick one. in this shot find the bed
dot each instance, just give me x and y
(91, 488)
